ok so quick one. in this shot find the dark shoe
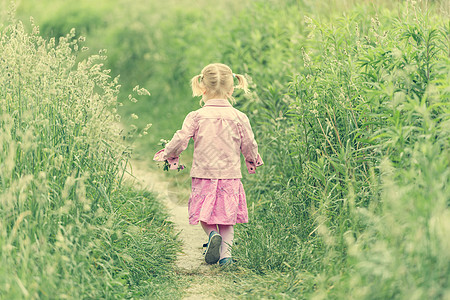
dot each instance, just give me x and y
(226, 261)
(212, 253)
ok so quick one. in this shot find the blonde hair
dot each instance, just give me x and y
(218, 81)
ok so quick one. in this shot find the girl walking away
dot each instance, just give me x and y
(220, 133)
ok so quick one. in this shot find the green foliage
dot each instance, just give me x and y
(70, 228)
(350, 108)
(370, 91)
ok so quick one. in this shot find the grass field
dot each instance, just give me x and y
(70, 227)
(349, 103)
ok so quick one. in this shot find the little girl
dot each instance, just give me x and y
(220, 134)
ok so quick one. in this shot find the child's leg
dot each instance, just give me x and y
(208, 227)
(212, 252)
(227, 233)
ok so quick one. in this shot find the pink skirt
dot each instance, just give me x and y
(217, 201)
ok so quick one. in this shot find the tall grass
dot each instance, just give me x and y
(348, 199)
(149, 43)
(350, 109)
(70, 227)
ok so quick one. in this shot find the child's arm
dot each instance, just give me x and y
(251, 166)
(181, 138)
(249, 147)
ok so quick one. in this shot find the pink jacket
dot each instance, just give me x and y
(220, 134)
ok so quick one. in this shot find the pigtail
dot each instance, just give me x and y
(196, 85)
(243, 84)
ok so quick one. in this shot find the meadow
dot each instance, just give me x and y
(69, 227)
(349, 103)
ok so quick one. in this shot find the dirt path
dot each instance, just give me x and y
(203, 281)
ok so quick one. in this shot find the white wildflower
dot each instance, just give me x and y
(306, 59)
(143, 91)
(307, 20)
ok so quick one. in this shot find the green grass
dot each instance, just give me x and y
(369, 92)
(349, 104)
(71, 228)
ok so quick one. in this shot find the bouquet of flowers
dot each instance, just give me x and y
(170, 163)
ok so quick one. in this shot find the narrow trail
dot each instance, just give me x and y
(203, 281)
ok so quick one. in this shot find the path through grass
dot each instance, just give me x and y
(201, 281)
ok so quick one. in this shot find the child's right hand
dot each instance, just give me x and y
(159, 155)
(170, 163)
